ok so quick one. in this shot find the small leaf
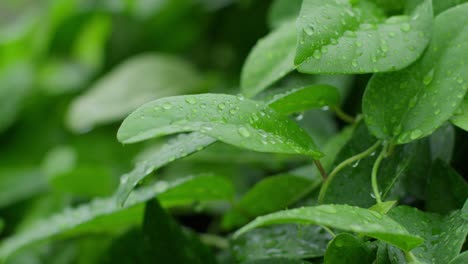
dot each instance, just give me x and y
(346, 248)
(412, 103)
(357, 37)
(137, 81)
(270, 60)
(446, 189)
(443, 236)
(460, 119)
(305, 98)
(343, 217)
(281, 241)
(231, 119)
(106, 216)
(264, 197)
(388, 254)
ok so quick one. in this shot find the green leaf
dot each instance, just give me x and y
(442, 143)
(166, 240)
(176, 148)
(281, 241)
(106, 216)
(276, 261)
(346, 248)
(270, 60)
(20, 182)
(264, 197)
(305, 98)
(282, 11)
(442, 5)
(443, 236)
(137, 81)
(388, 254)
(392, 168)
(343, 217)
(231, 119)
(446, 189)
(460, 259)
(412, 103)
(357, 36)
(460, 119)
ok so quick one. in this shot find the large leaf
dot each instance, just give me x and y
(343, 217)
(346, 248)
(446, 189)
(231, 119)
(357, 37)
(305, 98)
(412, 103)
(270, 60)
(282, 11)
(443, 236)
(442, 5)
(133, 83)
(460, 259)
(106, 216)
(285, 241)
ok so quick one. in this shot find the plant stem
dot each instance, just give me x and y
(375, 169)
(343, 164)
(329, 231)
(214, 240)
(321, 169)
(343, 116)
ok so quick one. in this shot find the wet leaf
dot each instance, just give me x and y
(346, 248)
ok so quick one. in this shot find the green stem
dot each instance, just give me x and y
(329, 231)
(343, 164)
(321, 169)
(343, 116)
(375, 170)
(214, 240)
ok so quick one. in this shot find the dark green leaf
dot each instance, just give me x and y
(442, 5)
(116, 94)
(388, 254)
(443, 236)
(276, 261)
(460, 118)
(346, 248)
(106, 216)
(343, 217)
(443, 143)
(357, 36)
(19, 183)
(446, 189)
(270, 60)
(285, 241)
(305, 98)
(231, 119)
(265, 198)
(412, 103)
(460, 259)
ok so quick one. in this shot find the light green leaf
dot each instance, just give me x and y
(282, 11)
(285, 241)
(137, 81)
(412, 103)
(20, 182)
(264, 197)
(270, 60)
(305, 98)
(343, 217)
(231, 119)
(443, 236)
(460, 118)
(442, 5)
(357, 37)
(176, 148)
(106, 216)
(346, 248)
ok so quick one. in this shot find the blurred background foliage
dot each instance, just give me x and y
(71, 70)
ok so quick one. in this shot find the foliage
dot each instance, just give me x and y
(199, 131)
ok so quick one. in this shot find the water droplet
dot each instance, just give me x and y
(233, 111)
(167, 105)
(243, 132)
(203, 105)
(191, 100)
(309, 29)
(428, 77)
(221, 106)
(405, 27)
(299, 117)
(355, 164)
(415, 134)
(354, 63)
(317, 54)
